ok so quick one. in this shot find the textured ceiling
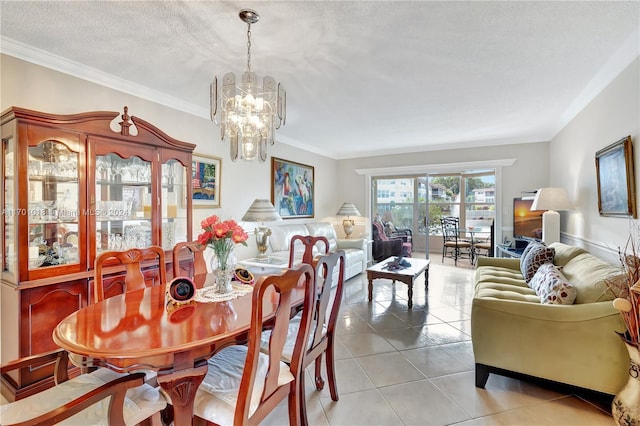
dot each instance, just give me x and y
(362, 77)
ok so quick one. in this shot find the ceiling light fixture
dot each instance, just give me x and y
(248, 112)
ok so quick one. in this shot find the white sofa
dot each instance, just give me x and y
(355, 249)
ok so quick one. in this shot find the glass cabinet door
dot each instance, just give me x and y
(9, 262)
(123, 200)
(53, 205)
(174, 204)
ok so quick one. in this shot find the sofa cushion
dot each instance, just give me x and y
(551, 286)
(589, 275)
(281, 235)
(538, 254)
(323, 229)
(564, 253)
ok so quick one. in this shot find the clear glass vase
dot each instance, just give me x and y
(625, 408)
(224, 264)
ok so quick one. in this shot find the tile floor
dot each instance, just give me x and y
(397, 366)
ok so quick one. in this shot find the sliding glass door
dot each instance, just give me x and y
(418, 202)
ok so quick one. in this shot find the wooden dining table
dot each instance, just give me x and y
(138, 330)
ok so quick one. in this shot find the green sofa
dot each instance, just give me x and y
(571, 344)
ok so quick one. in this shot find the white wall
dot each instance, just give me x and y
(34, 87)
(612, 115)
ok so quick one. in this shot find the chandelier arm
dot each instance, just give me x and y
(213, 99)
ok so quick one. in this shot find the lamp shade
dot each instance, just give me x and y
(261, 211)
(348, 209)
(551, 199)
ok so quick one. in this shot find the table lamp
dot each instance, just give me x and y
(551, 200)
(348, 209)
(261, 211)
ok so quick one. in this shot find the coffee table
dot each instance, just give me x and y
(406, 275)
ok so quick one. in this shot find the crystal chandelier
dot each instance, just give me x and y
(248, 112)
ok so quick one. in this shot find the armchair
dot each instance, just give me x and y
(384, 246)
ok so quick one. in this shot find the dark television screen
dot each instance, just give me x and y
(526, 223)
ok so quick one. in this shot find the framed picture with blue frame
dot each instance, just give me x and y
(205, 180)
(292, 188)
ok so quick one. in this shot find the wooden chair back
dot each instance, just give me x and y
(132, 259)
(309, 242)
(51, 413)
(329, 274)
(196, 266)
(284, 285)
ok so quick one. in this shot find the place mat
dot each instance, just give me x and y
(208, 294)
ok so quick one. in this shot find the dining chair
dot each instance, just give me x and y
(484, 246)
(243, 384)
(329, 274)
(134, 278)
(197, 264)
(115, 399)
(308, 243)
(453, 246)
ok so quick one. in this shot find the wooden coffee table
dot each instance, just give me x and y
(406, 275)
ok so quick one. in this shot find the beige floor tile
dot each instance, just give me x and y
(389, 369)
(443, 333)
(463, 351)
(350, 377)
(365, 310)
(449, 314)
(352, 324)
(569, 411)
(501, 393)
(420, 317)
(434, 362)
(421, 403)
(386, 322)
(362, 344)
(340, 351)
(408, 338)
(366, 408)
(464, 326)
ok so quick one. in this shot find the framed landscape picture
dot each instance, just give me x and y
(205, 180)
(616, 181)
(292, 188)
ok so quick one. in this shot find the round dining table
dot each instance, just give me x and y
(139, 330)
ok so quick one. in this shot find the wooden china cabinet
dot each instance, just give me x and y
(73, 187)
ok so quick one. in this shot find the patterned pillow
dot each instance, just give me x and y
(552, 287)
(538, 255)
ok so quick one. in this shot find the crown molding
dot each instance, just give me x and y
(49, 60)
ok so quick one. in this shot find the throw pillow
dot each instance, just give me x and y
(552, 287)
(537, 255)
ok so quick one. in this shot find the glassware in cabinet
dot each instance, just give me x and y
(174, 203)
(123, 203)
(53, 205)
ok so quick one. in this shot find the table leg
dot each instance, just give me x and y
(370, 289)
(410, 285)
(181, 386)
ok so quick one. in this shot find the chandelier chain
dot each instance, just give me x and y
(249, 47)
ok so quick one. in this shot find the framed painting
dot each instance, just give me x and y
(616, 181)
(292, 188)
(205, 180)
